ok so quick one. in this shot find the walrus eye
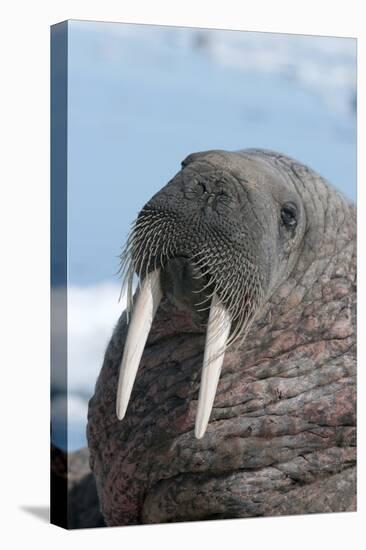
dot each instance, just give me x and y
(289, 215)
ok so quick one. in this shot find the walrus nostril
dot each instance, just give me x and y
(211, 198)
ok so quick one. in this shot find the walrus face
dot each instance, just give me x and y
(216, 240)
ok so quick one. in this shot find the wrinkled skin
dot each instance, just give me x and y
(281, 438)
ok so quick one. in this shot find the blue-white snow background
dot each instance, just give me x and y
(140, 99)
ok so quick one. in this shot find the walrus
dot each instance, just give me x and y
(228, 388)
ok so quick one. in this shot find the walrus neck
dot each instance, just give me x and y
(313, 311)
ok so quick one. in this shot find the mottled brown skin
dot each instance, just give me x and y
(282, 434)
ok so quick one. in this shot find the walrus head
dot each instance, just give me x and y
(216, 240)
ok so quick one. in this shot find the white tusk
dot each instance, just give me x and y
(142, 317)
(218, 329)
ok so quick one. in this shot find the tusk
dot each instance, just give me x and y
(218, 330)
(142, 317)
